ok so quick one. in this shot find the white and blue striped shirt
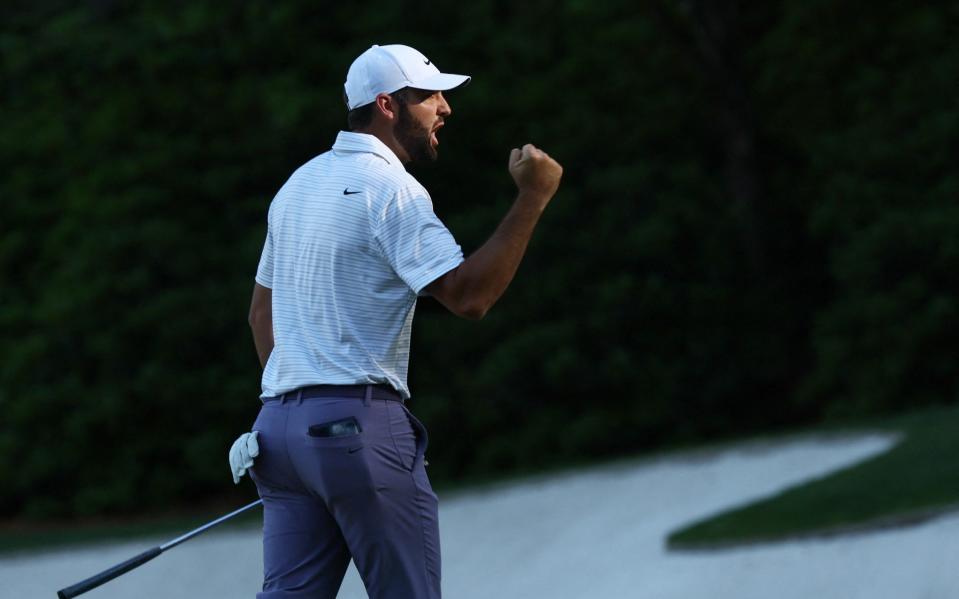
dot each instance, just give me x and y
(352, 240)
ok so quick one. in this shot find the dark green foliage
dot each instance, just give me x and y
(757, 226)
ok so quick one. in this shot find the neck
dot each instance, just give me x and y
(385, 135)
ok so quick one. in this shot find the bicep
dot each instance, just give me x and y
(442, 288)
(451, 290)
(261, 322)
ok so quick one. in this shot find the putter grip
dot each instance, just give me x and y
(107, 575)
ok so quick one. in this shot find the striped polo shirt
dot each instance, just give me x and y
(351, 241)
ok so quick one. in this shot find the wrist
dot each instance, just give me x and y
(533, 199)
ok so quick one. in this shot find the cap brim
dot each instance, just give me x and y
(441, 82)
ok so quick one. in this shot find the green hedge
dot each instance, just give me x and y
(757, 226)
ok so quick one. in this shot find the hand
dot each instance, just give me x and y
(244, 449)
(535, 172)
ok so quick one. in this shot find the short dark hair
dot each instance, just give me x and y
(361, 116)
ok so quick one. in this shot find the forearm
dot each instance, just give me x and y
(471, 289)
(483, 277)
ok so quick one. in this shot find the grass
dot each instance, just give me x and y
(916, 479)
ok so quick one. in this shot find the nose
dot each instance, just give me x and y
(443, 109)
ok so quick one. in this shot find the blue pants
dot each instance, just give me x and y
(331, 492)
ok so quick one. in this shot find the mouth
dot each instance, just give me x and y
(434, 141)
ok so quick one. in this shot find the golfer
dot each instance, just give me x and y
(352, 241)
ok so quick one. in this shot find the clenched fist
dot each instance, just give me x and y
(535, 172)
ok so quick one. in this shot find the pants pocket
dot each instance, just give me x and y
(421, 438)
(404, 436)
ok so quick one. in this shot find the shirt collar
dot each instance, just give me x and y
(348, 141)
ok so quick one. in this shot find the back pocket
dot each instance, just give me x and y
(338, 428)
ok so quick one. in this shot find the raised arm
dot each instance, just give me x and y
(472, 288)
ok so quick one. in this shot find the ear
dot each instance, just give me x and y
(386, 107)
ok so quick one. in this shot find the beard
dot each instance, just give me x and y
(414, 137)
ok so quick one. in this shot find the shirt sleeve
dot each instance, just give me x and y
(414, 241)
(264, 272)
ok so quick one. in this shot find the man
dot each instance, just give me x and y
(352, 241)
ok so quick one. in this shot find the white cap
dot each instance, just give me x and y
(385, 69)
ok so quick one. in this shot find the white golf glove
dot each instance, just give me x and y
(244, 449)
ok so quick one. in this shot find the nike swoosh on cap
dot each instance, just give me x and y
(347, 192)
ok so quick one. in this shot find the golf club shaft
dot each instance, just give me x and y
(134, 562)
(208, 526)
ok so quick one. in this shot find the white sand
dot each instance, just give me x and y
(593, 534)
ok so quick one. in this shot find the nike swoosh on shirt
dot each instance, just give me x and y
(354, 450)
(427, 61)
(347, 192)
